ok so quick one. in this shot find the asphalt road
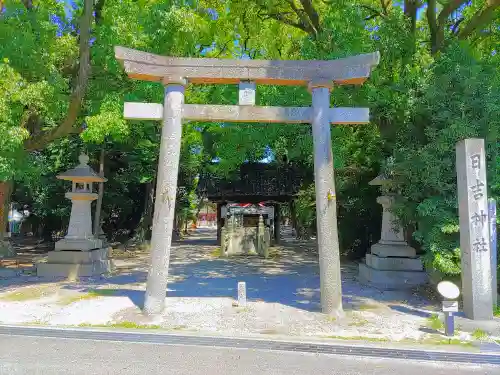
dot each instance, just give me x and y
(36, 355)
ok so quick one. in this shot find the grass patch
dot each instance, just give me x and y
(331, 319)
(269, 331)
(274, 254)
(496, 310)
(35, 323)
(479, 334)
(242, 309)
(358, 323)
(133, 325)
(435, 323)
(27, 294)
(68, 300)
(359, 338)
(145, 246)
(179, 328)
(128, 325)
(447, 342)
(365, 307)
(440, 341)
(216, 253)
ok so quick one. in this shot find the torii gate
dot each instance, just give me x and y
(175, 73)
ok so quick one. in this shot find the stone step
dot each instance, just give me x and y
(394, 263)
(77, 257)
(73, 270)
(391, 280)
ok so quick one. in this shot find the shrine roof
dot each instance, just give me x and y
(255, 182)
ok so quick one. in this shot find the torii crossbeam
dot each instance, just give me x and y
(176, 73)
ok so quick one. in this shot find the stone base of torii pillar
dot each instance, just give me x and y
(392, 264)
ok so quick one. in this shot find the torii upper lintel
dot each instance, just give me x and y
(151, 67)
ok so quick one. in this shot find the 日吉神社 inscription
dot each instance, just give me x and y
(474, 229)
(176, 73)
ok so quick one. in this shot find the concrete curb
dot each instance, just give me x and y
(158, 338)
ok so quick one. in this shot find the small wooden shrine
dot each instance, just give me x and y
(268, 183)
(247, 230)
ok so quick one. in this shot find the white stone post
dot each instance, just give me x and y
(242, 294)
(326, 204)
(166, 190)
(474, 231)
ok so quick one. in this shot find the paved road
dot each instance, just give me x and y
(48, 356)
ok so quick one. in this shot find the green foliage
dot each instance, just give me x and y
(38, 188)
(496, 310)
(11, 135)
(479, 335)
(37, 64)
(305, 206)
(424, 96)
(435, 323)
(460, 100)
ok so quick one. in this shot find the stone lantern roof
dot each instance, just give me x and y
(82, 172)
(380, 180)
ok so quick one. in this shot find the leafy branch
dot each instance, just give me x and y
(42, 138)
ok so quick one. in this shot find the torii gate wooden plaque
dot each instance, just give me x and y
(176, 73)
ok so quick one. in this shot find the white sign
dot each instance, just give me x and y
(450, 306)
(448, 290)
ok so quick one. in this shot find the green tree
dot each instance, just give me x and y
(44, 79)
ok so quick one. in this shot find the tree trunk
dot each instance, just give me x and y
(198, 210)
(142, 232)
(148, 209)
(293, 218)
(219, 223)
(5, 193)
(98, 206)
(40, 139)
(147, 218)
(176, 231)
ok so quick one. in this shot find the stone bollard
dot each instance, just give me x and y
(267, 242)
(242, 294)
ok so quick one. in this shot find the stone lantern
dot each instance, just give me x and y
(79, 253)
(391, 263)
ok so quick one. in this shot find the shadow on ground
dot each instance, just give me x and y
(290, 277)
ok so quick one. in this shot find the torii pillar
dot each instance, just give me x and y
(326, 203)
(166, 192)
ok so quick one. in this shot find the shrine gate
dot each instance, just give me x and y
(175, 73)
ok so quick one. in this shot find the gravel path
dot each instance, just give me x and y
(283, 295)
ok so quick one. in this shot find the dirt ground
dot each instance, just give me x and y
(283, 295)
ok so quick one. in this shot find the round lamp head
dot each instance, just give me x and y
(448, 290)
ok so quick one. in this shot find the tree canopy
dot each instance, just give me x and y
(62, 91)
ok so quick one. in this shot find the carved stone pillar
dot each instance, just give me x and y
(326, 204)
(166, 190)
